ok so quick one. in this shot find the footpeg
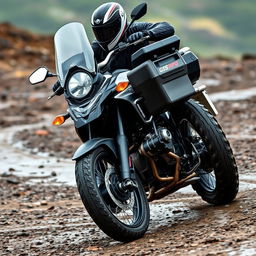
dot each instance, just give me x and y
(128, 184)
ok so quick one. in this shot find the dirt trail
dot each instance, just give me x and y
(38, 219)
(41, 215)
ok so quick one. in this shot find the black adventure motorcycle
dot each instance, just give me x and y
(146, 132)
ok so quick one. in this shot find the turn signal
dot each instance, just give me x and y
(58, 120)
(122, 86)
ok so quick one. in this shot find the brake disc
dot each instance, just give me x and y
(126, 205)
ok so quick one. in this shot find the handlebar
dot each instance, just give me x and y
(104, 62)
(119, 48)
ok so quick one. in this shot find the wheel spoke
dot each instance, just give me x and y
(126, 210)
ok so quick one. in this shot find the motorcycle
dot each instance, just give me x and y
(146, 132)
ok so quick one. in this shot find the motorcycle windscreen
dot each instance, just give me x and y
(72, 48)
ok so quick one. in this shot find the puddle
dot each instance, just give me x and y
(166, 214)
(243, 251)
(208, 82)
(251, 177)
(4, 105)
(241, 136)
(26, 164)
(233, 95)
(38, 168)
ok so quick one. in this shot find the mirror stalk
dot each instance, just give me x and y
(129, 26)
(138, 12)
(51, 75)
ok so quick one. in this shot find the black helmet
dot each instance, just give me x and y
(108, 23)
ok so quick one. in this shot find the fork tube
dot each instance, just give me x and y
(122, 148)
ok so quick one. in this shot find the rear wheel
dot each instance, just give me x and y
(122, 215)
(218, 173)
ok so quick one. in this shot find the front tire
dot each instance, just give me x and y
(219, 183)
(124, 216)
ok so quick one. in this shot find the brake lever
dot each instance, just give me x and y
(141, 40)
(122, 46)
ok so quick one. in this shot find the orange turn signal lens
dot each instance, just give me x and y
(122, 86)
(58, 120)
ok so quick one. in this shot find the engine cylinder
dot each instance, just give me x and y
(157, 143)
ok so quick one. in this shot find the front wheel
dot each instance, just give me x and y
(122, 215)
(218, 173)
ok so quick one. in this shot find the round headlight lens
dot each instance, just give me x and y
(80, 85)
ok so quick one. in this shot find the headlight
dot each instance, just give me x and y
(79, 85)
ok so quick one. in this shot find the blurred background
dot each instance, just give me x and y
(209, 27)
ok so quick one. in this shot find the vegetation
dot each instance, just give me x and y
(209, 27)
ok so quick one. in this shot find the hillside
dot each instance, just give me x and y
(209, 27)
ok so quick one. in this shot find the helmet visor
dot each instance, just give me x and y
(106, 33)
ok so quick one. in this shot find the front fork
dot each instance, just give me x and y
(127, 183)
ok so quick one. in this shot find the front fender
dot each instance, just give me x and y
(95, 143)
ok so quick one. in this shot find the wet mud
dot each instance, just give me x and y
(38, 218)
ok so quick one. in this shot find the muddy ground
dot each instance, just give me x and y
(40, 209)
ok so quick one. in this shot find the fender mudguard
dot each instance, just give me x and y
(205, 100)
(95, 143)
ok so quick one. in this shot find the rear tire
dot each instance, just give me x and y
(221, 185)
(97, 189)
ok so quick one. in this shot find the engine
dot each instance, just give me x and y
(157, 143)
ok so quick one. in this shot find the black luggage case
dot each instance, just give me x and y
(153, 51)
(162, 82)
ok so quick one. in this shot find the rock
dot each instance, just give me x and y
(38, 242)
(51, 208)
(93, 248)
(4, 96)
(44, 202)
(53, 173)
(92, 231)
(34, 151)
(249, 56)
(5, 174)
(22, 233)
(177, 211)
(40, 216)
(41, 132)
(36, 204)
(13, 181)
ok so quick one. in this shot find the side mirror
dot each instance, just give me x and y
(39, 75)
(139, 11)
